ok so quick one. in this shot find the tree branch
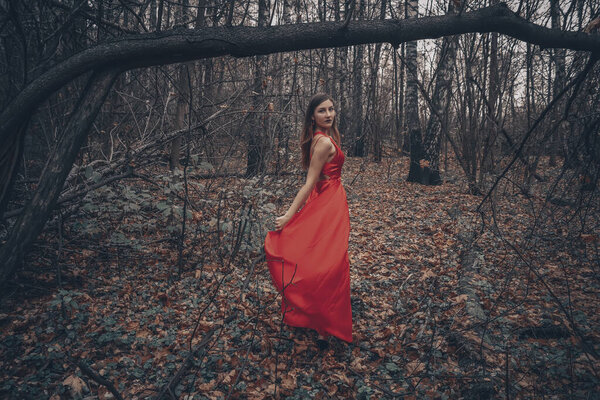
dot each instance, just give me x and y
(99, 378)
(179, 45)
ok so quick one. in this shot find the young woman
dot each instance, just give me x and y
(308, 253)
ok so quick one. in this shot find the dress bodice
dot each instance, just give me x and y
(333, 168)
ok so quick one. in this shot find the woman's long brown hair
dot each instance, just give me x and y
(308, 130)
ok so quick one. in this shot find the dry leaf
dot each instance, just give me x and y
(76, 386)
(428, 274)
(460, 298)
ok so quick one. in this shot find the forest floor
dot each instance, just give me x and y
(447, 303)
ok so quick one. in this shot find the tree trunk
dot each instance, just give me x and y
(183, 97)
(336, 71)
(558, 84)
(357, 114)
(31, 222)
(412, 101)
(396, 100)
(405, 145)
(255, 134)
(440, 108)
(376, 128)
(180, 121)
(495, 100)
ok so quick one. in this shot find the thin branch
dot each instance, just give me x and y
(99, 379)
(575, 82)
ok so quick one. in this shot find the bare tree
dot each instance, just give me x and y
(412, 100)
(437, 124)
(255, 132)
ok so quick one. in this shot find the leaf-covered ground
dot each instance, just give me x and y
(447, 302)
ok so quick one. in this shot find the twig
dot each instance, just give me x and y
(82, 192)
(86, 369)
(200, 347)
(383, 389)
(575, 82)
(284, 301)
(259, 258)
(360, 169)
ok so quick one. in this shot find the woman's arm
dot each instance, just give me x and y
(323, 149)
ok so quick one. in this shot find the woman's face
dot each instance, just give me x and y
(324, 115)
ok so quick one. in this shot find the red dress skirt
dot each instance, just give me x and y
(308, 259)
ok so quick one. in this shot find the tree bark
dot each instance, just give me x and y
(10, 155)
(404, 140)
(357, 106)
(494, 108)
(36, 212)
(440, 104)
(180, 108)
(559, 82)
(412, 101)
(357, 126)
(255, 131)
(376, 129)
(183, 97)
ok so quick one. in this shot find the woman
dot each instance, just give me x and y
(308, 253)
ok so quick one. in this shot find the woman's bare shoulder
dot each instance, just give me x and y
(323, 145)
(324, 140)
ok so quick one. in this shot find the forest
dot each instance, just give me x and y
(147, 147)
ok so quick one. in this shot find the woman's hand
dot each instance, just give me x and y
(281, 221)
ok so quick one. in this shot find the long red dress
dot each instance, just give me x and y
(308, 258)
